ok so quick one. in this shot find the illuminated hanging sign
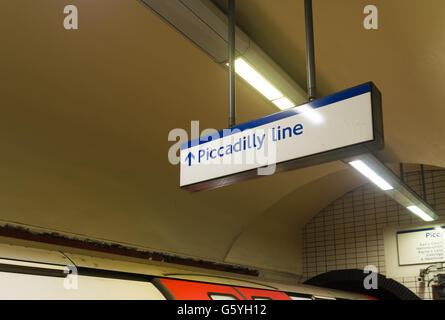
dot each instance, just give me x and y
(345, 124)
(421, 246)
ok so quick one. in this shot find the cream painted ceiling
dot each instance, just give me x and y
(86, 114)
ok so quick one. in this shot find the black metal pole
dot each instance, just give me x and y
(231, 37)
(310, 57)
(422, 173)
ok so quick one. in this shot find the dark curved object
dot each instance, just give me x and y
(352, 280)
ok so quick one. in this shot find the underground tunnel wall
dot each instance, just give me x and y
(349, 233)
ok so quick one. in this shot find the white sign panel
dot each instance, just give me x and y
(274, 142)
(421, 246)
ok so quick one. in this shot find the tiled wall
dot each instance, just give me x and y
(348, 234)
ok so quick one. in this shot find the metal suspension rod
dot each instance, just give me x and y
(310, 57)
(422, 173)
(231, 36)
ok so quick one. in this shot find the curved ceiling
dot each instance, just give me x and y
(86, 115)
(405, 58)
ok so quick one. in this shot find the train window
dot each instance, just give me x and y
(221, 296)
(254, 294)
(323, 298)
(295, 297)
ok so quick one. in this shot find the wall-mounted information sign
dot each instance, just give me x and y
(345, 124)
(421, 246)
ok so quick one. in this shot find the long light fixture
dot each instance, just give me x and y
(419, 212)
(256, 80)
(360, 166)
(374, 170)
(283, 103)
(205, 24)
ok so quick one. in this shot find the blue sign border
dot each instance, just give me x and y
(340, 96)
(418, 230)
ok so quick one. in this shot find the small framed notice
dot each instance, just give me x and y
(421, 246)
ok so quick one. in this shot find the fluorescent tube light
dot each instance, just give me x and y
(256, 80)
(371, 175)
(420, 213)
(32, 264)
(283, 103)
(376, 171)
